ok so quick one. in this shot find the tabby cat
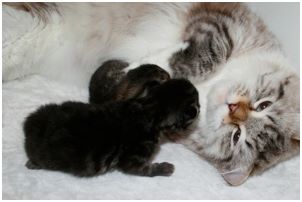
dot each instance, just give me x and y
(249, 93)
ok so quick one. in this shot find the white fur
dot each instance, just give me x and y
(71, 47)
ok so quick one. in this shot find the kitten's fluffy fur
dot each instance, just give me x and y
(110, 82)
(223, 47)
(87, 140)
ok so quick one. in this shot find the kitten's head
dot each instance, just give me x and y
(139, 81)
(252, 123)
(178, 105)
(109, 82)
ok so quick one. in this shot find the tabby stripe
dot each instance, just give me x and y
(193, 22)
(223, 13)
(206, 57)
(200, 68)
(193, 69)
(261, 135)
(249, 144)
(280, 137)
(281, 91)
(227, 159)
(263, 157)
(223, 143)
(271, 118)
(261, 94)
(203, 20)
(230, 41)
(213, 23)
(257, 143)
(213, 54)
(286, 82)
(263, 77)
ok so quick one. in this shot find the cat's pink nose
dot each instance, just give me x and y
(233, 107)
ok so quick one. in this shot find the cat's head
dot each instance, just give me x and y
(178, 105)
(252, 121)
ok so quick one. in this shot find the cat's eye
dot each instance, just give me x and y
(263, 105)
(236, 136)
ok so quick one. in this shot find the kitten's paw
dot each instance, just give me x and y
(31, 165)
(163, 169)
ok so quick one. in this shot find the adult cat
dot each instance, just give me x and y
(250, 96)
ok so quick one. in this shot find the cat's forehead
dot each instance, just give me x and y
(275, 85)
(263, 83)
(249, 68)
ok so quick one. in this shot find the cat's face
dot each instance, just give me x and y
(252, 123)
(178, 105)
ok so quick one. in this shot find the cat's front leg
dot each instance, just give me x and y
(209, 46)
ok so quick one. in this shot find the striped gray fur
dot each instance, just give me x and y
(209, 45)
(269, 138)
(212, 36)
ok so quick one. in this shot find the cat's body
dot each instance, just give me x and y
(137, 32)
(88, 140)
(222, 47)
(100, 31)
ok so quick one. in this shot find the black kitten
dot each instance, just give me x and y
(110, 82)
(87, 139)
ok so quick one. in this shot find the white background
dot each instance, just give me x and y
(283, 19)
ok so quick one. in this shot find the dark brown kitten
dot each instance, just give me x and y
(110, 82)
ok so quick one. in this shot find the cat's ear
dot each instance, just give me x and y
(237, 177)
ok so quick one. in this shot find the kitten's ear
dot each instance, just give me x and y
(237, 177)
(149, 88)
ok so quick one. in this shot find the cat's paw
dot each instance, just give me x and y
(30, 165)
(163, 169)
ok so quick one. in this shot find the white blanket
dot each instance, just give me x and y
(194, 178)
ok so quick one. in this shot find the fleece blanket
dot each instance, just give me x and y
(194, 178)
